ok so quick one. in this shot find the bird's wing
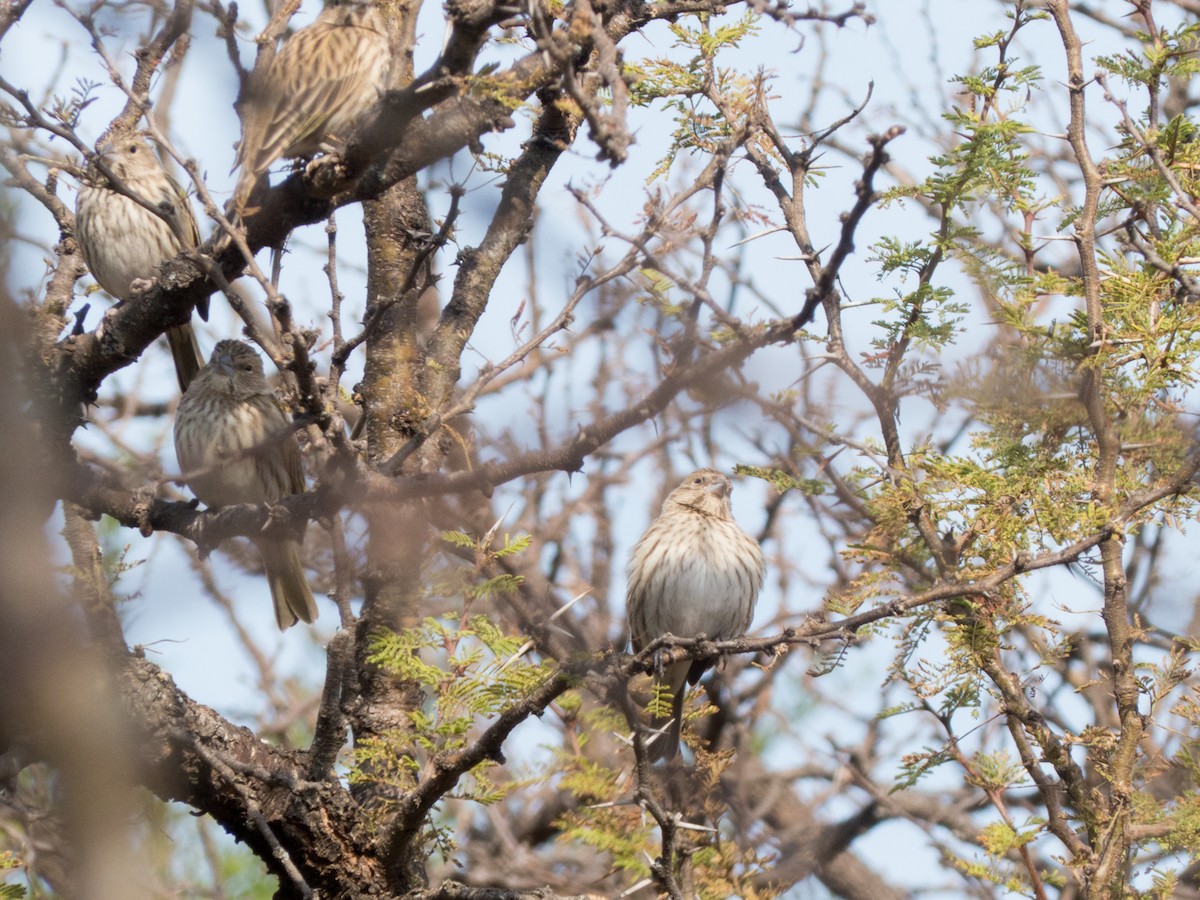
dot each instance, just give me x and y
(182, 220)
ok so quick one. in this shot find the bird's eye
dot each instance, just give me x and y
(133, 148)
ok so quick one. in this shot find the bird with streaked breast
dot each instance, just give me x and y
(235, 445)
(694, 572)
(312, 95)
(124, 243)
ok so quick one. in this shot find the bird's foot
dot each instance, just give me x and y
(661, 659)
(276, 515)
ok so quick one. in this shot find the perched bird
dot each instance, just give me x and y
(694, 572)
(123, 242)
(314, 91)
(235, 445)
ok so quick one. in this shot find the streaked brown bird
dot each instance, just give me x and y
(314, 91)
(694, 572)
(235, 445)
(124, 243)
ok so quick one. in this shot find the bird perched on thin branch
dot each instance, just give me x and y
(694, 572)
(124, 242)
(311, 95)
(235, 445)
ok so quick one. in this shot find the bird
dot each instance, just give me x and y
(123, 242)
(311, 95)
(235, 445)
(694, 572)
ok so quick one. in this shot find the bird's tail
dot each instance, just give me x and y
(185, 351)
(666, 729)
(289, 586)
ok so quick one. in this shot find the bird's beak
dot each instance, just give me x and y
(107, 152)
(720, 488)
(224, 362)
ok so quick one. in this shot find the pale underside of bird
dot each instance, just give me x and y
(235, 445)
(124, 243)
(694, 572)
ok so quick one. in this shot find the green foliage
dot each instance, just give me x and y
(658, 287)
(1023, 478)
(687, 90)
(1027, 482)
(607, 821)
(9, 863)
(510, 546)
(1000, 873)
(996, 771)
(1184, 833)
(660, 701)
(926, 316)
(783, 482)
(469, 669)
(1169, 54)
(1000, 837)
(620, 832)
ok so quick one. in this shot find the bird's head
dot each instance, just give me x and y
(705, 490)
(127, 155)
(237, 363)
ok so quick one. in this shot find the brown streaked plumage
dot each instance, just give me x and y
(313, 93)
(693, 572)
(235, 445)
(123, 243)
